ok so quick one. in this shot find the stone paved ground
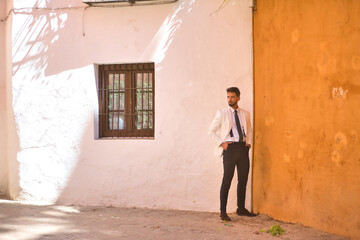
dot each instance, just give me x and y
(19, 221)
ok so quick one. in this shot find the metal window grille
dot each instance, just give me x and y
(126, 100)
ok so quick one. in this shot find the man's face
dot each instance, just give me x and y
(232, 99)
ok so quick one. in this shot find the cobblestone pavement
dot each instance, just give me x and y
(20, 221)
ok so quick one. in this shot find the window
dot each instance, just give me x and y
(126, 100)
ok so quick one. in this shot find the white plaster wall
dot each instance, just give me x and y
(5, 89)
(197, 56)
(3, 164)
(12, 139)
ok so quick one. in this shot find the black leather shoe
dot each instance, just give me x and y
(225, 217)
(245, 212)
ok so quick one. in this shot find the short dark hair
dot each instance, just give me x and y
(234, 90)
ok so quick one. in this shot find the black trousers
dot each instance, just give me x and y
(237, 154)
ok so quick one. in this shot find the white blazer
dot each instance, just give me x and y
(221, 126)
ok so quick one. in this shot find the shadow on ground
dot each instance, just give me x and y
(26, 221)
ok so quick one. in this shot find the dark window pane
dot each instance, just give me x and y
(122, 101)
(151, 121)
(122, 81)
(150, 80)
(116, 101)
(146, 80)
(121, 121)
(139, 80)
(115, 122)
(110, 119)
(138, 121)
(116, 82)
(145, 120)
(138, 100)
(151, 101)
(111, 82)
(145, 101)
(111, 102)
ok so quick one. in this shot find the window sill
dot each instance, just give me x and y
(110, 3)
(127, 138)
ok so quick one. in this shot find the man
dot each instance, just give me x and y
(231, 129)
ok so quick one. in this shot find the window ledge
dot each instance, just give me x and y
(106, 3)
(124, 138)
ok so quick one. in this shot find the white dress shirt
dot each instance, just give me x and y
(235, 132)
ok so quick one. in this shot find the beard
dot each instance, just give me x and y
(232, 104)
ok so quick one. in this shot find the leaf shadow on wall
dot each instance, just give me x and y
(107, 172)
(51, 100)
(35, 32)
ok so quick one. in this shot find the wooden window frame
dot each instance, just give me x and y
(130, 130)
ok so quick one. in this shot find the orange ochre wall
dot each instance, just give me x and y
(307, 113)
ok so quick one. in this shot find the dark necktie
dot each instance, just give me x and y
(238, 126)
